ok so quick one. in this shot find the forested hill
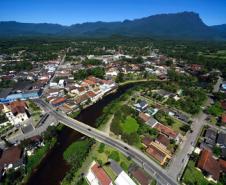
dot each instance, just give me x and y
(185, 25)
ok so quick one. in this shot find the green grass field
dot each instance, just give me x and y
(130, 125)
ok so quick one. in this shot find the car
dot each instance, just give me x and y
(126, 148)
(89, 129)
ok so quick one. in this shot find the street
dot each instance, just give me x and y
(181, 158)
(139, 157)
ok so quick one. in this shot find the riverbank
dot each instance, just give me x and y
(100, 153)
(139, 81)
(95, 115)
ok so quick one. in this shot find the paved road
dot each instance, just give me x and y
(179, 162)
(35, 132)
(139, 157)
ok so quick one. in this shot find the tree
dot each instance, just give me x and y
(217, 151)
(215, 109)
(169, 121)
(101, 148)
(114, 155)
(185, 128)
(120, 77)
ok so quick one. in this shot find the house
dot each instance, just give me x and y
(16, 112)
(210, 137)
(124, 179)
(158, 153)
(112, 72)
(97, 176)
(61, 83)
(93, 97)
(140, 176)
(141, 105)
(11, 157)
(163, 140)
(144, 117)
(82, 99)
(209, 165)
(222, 165)
(167, 131)
(58, 101)
(146, 141)
(221, 140)
(151, 122)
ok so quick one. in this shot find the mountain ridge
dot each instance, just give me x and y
(183, 25)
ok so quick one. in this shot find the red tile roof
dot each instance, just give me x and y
(166, 130)
(18, 107)
(101, 175)
(144, 117)
(10, 155)
(163, 140)
(89, 82)
(91, 94)
(146, 141)
(93, 79)
(81, 98)
(58, 101)
(222, 165)
(209, 164)
(156, 153)
(141, 177)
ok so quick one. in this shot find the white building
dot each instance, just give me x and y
(16, 112)
(61, 83)
(124, 179)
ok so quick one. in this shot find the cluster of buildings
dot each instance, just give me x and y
(157, 148)
(27, 84)
(211, 164)
(97, 175)
(68, 96)
(16, 112)
(12, 157)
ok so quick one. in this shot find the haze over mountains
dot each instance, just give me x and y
(184, 25)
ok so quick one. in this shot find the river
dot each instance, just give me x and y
(53, 167)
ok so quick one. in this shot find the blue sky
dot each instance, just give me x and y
(68, 12)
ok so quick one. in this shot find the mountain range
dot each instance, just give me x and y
(183, 25)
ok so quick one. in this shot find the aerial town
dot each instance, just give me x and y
(149, 108)
(112, 92)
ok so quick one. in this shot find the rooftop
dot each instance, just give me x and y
(209, 164)
(166, 130)
(141, 176)
(100, 174)
(11, 155)
(144, 117)
(156, 153)
(163, 140)
(124, 179)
